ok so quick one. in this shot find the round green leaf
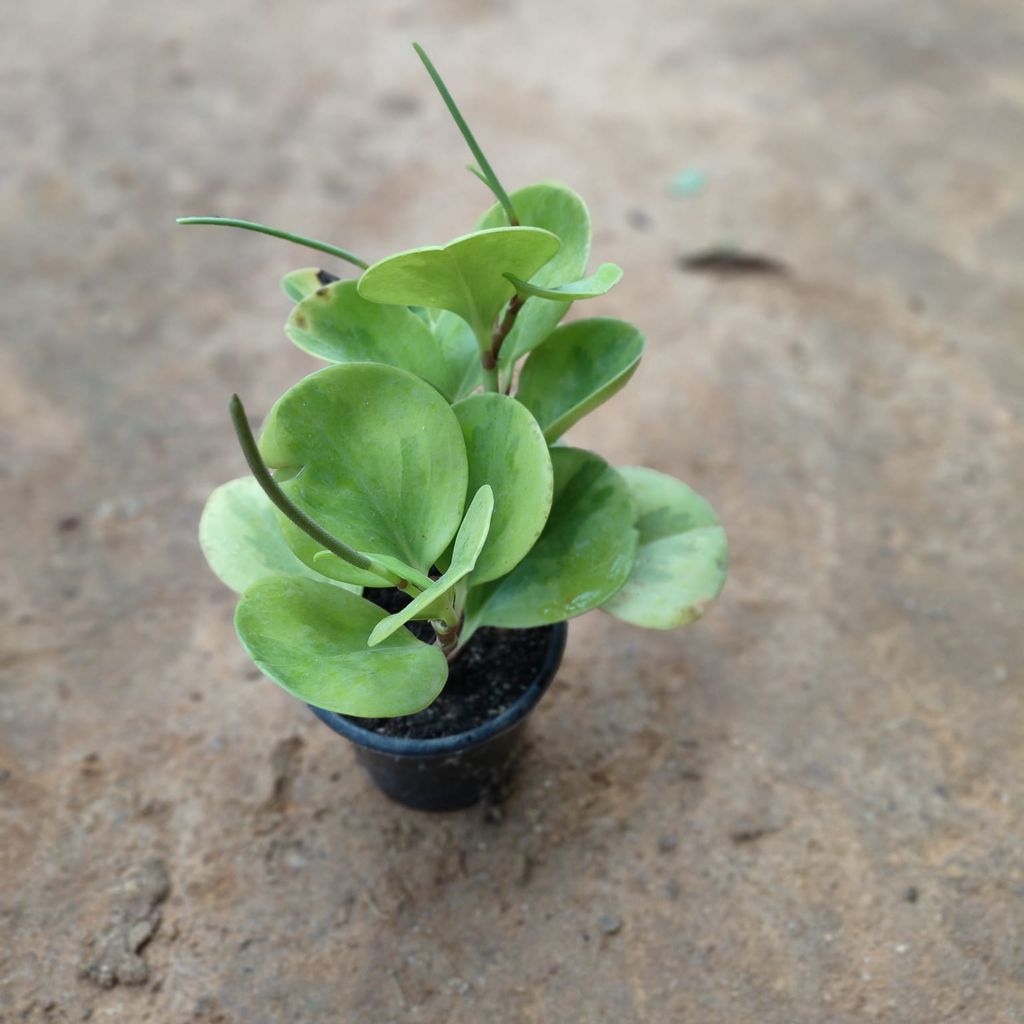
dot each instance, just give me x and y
(506, 449)
(600, 282)
(468, 543)
(297, 284)
(383, 463)
(464, 276)
(583, 556)
(580, 366)
(460, 351)
(310, 638)
(560, 210)
(241, 538)
(335, 323)
(683, 555)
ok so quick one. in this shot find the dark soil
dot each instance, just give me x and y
(489, 675)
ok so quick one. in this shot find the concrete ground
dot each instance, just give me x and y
(807, 808)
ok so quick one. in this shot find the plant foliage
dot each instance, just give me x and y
(426, 456)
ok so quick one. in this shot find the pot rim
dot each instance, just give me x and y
(405, 746)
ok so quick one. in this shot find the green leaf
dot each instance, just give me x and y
(241, 538)
(468, 543)
(463, 276)
(683, 556)
(580, 366)
(272, 489)
(383, 463)
(583, 556)
(297, 284)
(310, 638)
(460, 351)
(601, 281)
(506, 449)
(560, 210)
(335, 323)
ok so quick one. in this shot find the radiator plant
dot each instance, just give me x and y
(428, 457)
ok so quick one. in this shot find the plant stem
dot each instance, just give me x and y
(310, 527)
(309, 243)
(487, 174)
(448, 639)
(489, 359)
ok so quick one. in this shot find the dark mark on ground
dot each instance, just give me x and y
(730, 262)
(638, 219)
(750, 829)
(68, 524)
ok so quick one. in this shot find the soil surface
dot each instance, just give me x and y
(486, 678)
(805, 809)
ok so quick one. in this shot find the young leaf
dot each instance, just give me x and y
(506, 449)
(330, 565)
(310, 638)
(683, 555)
(580, 366)
(241, 538)
(463, 276)
(298, 284)
(327, 564)
(583, 556)
(560, 210)
(468, 542)
(383, 463)
(601, 281)
(335, 323)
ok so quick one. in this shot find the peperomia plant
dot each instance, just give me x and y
(427, 457)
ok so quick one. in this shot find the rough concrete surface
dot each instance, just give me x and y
(807, 808)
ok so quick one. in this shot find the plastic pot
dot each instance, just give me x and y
(446, 773)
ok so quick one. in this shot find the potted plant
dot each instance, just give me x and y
(413, 517)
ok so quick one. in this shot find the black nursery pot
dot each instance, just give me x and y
(449, 772)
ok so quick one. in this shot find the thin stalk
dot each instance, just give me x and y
(450, 637)
(491, 381)
(448, 640)
(447, 627)
(489, 359)
(288, 236)
(310, 527)
(486, 174)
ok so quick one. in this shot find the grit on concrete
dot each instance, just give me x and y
(805, 809)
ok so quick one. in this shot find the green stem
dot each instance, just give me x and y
(486, 174)
(309, 243)
(310, 527)
(491, 382)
